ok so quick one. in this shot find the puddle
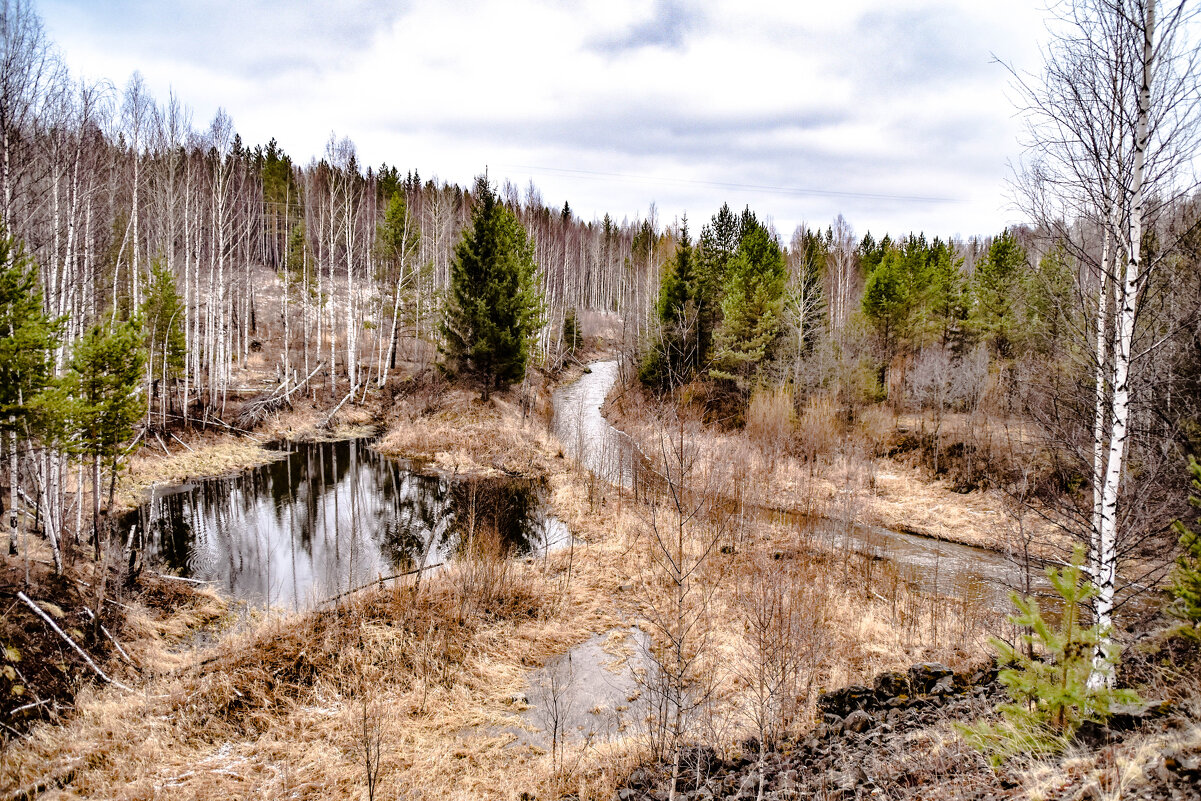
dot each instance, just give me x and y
(588, 695)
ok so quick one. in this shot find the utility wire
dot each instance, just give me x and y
(785, 190)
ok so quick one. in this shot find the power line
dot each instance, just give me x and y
(785, 190)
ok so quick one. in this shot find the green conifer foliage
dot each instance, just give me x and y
(1186, 576)
(494, 308)
(572, 338)
(105, 372)
(1050, 691)
(674, 356)
(751, 308)
(999, 280)
(163, 315)
(27, 338)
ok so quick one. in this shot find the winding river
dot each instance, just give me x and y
(976, 574)
(327, 517)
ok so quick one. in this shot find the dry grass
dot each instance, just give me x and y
(275, 708)
(812, 478)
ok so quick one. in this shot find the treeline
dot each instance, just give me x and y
(999, 327)
(222, 266)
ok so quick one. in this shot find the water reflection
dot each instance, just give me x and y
(586, 435)
(330, 516)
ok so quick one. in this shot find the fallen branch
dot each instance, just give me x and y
(111, 638)
(257, 410)
(50, 621)
(181, 442)
(330, 416)
(181, 578)
(379, 582)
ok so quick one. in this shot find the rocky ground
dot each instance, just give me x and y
(897, 740)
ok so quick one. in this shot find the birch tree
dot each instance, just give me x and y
(1112, 123)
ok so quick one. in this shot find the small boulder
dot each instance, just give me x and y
(924, 675)
(891, 684)
(944, 686)
(857, 721)
(848, 699)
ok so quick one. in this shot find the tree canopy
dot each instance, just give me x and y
(494, 308)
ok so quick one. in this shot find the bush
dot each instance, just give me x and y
(1050, 690)
(1186, 577)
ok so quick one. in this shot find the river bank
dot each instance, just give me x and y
(271, 706)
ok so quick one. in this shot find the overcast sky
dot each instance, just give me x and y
(891, 113)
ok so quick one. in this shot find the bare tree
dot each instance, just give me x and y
(684, 524)
(1112, 123)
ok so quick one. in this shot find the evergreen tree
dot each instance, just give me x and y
(494, 308)
(163, 315)
(946, 295)
(886, 299)
(1186, 576)
(1048, 680)
(103, 380)
(999, 280)
(572, 338)
(27, 338)
(752, 307)
(674, 357)
(715, 249)
(1047, 303)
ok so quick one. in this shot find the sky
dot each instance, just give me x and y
(897, 115)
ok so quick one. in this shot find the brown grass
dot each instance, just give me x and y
(273, 708)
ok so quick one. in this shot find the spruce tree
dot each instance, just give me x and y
(673, 358)
(752, 307)
(27, 337)
(494, 308)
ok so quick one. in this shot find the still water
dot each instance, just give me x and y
(331, 516)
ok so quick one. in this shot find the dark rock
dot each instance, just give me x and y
(944, 686)
(924, 675)
(899, 702)
(891, 684)
(1123, 717)
(857, 721)
(847, 700)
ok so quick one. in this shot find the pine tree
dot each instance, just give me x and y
(999, 279)
(1186, 576)
(1048, 679)
(163, 315)
(27, 338)
(494, 308)
(103, 380)
(946, 295)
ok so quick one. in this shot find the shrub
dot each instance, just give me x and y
(1050, 690)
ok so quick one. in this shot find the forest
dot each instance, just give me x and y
(638, 508)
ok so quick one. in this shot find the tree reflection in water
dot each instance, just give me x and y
(330, 516)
